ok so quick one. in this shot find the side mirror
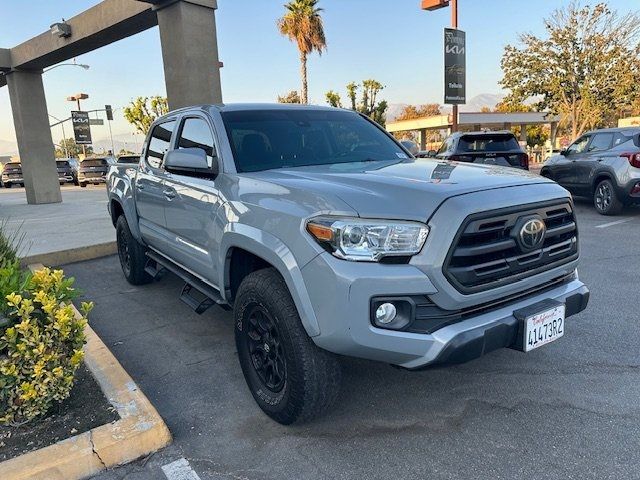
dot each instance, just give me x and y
(189, 161)
(431, 153)
(564, 152)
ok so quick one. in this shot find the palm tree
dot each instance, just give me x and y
(302, 23)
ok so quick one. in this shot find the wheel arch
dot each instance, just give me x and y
(118, 208)
(599, 177)
(253, 249)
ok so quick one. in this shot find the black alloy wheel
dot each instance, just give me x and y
(265, 349)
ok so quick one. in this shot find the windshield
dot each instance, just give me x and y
(9, 167)
(61, 164)
(488, 143)
(266, 139)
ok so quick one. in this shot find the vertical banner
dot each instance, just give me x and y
(455, 74)
(81, 127)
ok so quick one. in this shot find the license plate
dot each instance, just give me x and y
(543, 328)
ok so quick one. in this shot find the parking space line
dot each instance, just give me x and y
(179, 470)
(617, 222)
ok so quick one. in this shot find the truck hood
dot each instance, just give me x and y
(409, 189)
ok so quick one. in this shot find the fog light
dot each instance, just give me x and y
(386, 313)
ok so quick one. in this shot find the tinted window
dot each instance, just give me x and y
(159, 143)
(197, 134)
(488, 143)
(600, 142)
(12, 167)
(579, 145)
(265, 139)
(94, 162)
(62, 164)
(128, 159)
(621, 139)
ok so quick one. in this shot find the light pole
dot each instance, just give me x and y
(435, 5)
(81, 65)
(64, 136)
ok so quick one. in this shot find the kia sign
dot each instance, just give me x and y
(81, 128)
(454, 67)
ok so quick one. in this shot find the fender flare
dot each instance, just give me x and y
(130, 214)
(272, 250)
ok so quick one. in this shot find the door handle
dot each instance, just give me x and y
(170, 194)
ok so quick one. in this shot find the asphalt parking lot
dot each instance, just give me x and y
(570, 410)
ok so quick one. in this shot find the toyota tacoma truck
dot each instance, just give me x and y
(328, 239)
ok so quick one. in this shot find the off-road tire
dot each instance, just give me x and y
(605, 199)
(311, 379)
(131, 254)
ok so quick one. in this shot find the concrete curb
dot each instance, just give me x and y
(139, 431)
(72, 255)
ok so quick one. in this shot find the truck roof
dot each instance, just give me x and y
(235, 107)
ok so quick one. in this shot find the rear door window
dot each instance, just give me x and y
(601, 142)
(159, 143)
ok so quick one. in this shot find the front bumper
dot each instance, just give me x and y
(341, 293)
(65, 178)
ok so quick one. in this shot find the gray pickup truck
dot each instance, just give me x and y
(328, 238)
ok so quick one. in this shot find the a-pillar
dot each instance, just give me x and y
(190, 52)
(33, 134)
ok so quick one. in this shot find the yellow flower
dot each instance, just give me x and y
(41, 297)
(9, 369)
(86, 307)
(57, 276)
(57, 371)
(29, 391)
(77, 357)
(14, 299)
(26, 308)
(49, 307)
(38, 368)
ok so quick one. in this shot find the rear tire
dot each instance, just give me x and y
(290, 378)
(605, 199)
(131, 254)
(83, 185)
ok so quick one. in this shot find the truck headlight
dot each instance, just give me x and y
(367, 240)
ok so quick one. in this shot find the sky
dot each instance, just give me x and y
(392, 41)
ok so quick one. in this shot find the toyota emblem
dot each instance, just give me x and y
(532, 233)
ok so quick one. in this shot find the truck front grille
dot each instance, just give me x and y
(487, 252)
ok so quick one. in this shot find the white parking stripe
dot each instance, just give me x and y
(617, 222)
(180, 470)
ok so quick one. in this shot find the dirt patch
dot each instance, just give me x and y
(86, 408)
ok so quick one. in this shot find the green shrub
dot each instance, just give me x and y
(41, 345)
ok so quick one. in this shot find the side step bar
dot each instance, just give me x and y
(195, 293)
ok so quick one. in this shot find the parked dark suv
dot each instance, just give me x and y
(65, 171)
(12, 175)
(603, 165)
(490, 148)
(92, 170)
